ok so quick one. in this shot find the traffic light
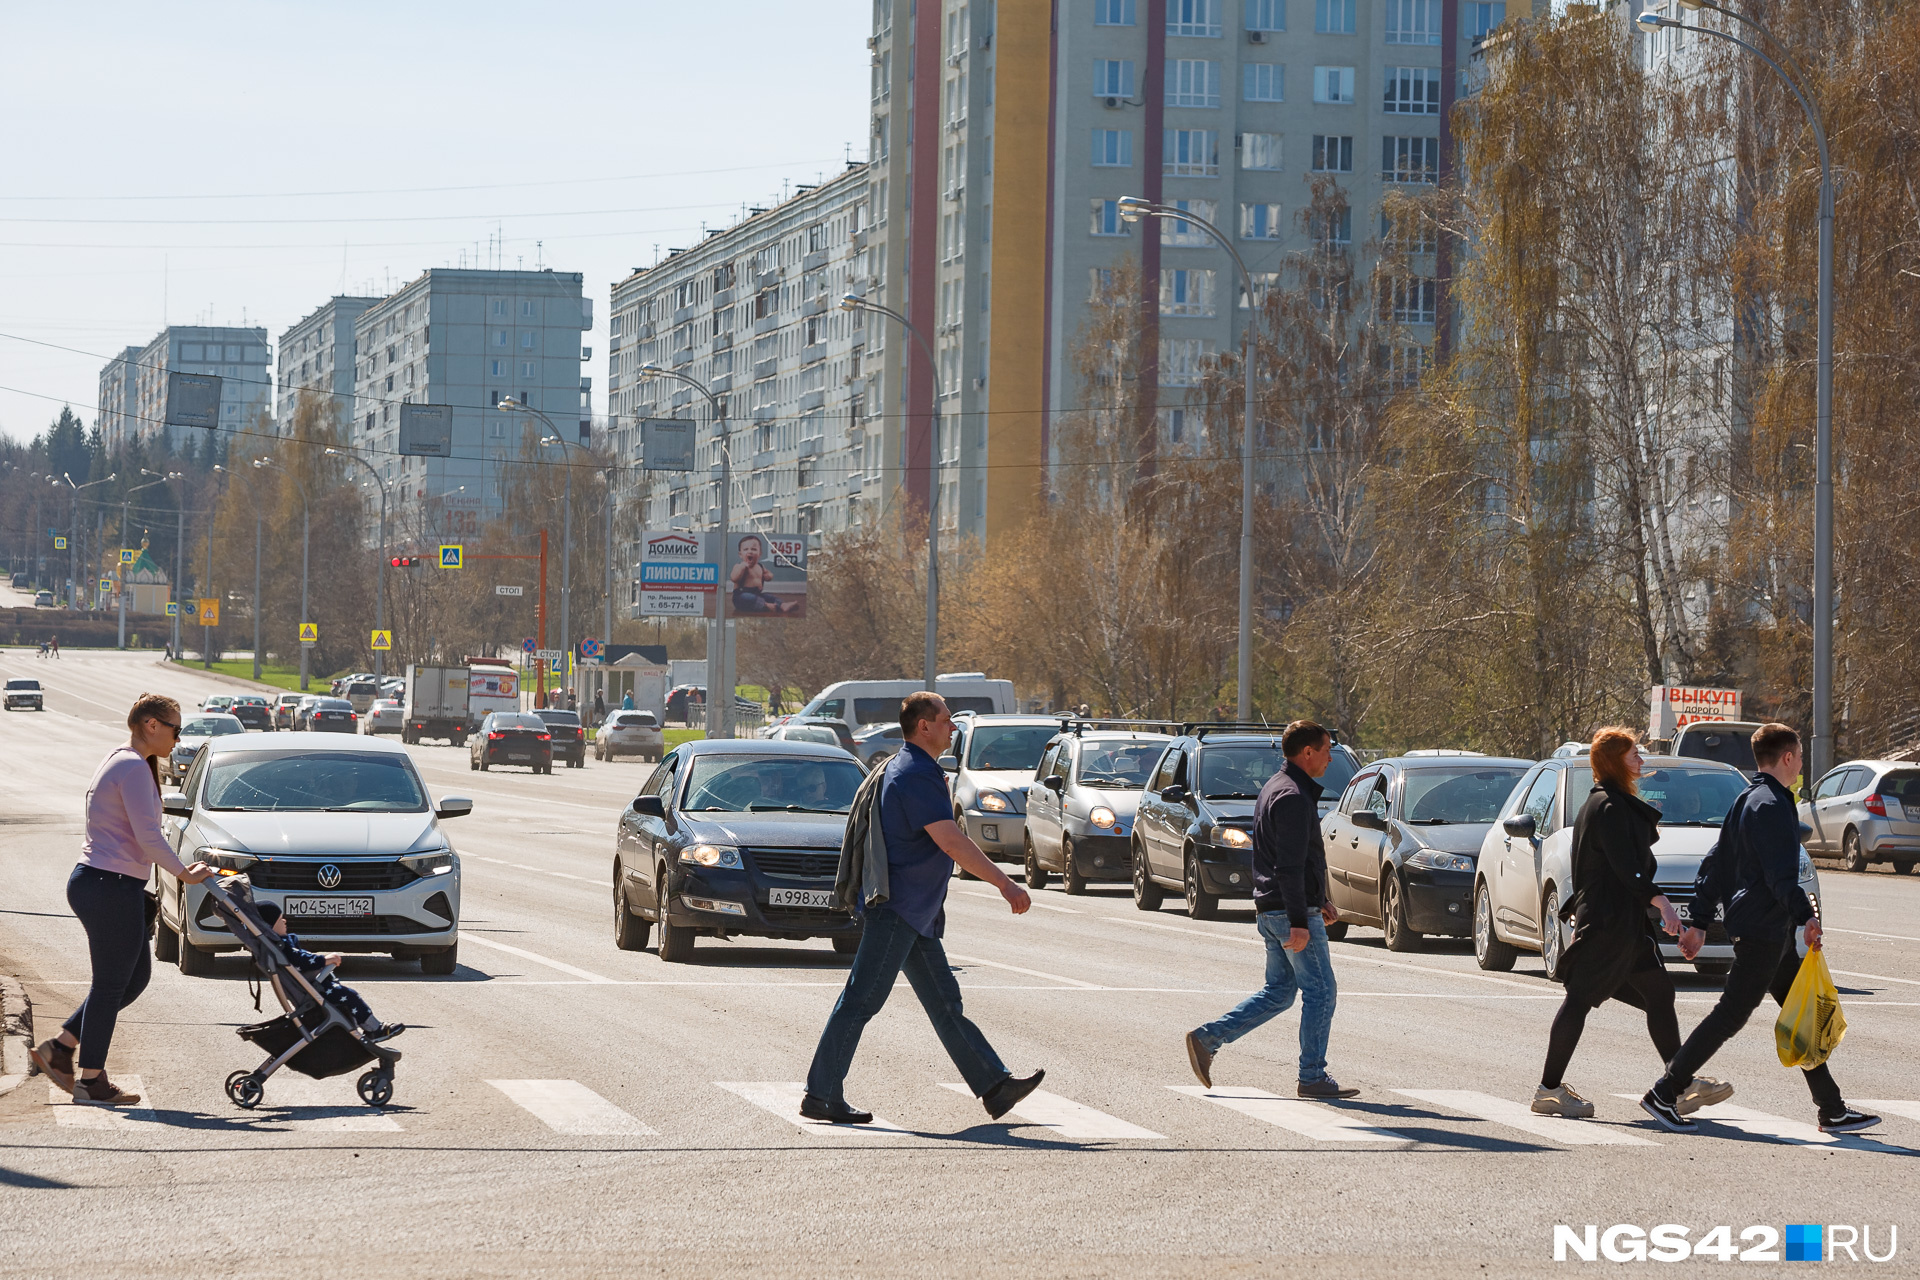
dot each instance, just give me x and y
(404, 562)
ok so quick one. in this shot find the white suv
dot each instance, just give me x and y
(629, 733)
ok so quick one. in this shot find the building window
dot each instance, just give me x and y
(526, 309)
(1405, 364)
(1482, 18)
(1112, 13)
(1193, 82)
(1331, 228)
(498, 307)
(1183, 361)
(527, 368)
(1100, 283)
(1176, 425)
(496, 368)
(1193, 17)
(1411, 234)
(1106, 218)
(1333, 84)
(1410, 159)
(1266, 15)
(1264, 283)
(1113, 77)
(1113, 148)
(1332, 154)
(1333, 17)
(526, 340)
(499, 337)
(1410, 300)
(1413, 21)
(1191, 153)
(1264, 82)
(1260, 222)
(1413, 91)
(1260, 151)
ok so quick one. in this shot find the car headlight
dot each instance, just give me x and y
(225, 859)
(710, 855)
(1103, 817)
(1439, 861)
(1806, 866)
(993, 802)
(439, 862)
(1233, 838)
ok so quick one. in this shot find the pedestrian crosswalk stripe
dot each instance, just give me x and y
(1072, 1119)
(1795, 1132)
(301, 1104)
(569, 1107)
(782, 1097)
(1313, 1120)
(1891, 1107)
(1515, 1115)
(80, 1115)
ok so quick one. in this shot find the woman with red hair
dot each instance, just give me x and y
(1614, 955)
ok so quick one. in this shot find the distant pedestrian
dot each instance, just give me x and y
(626, 703)
(43, 650)
(108, 893)
(1754, 874)
(54, 643)
(1614, 955)
(906, 917)
(599, 707)
(1293, 912)
(573, 701)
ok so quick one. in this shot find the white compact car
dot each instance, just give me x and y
(1525, 867)
(629, 733)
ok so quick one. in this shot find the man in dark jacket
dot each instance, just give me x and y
(1290, 897)
(1754, 871)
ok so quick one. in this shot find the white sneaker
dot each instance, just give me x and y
(1562, 1101)
(1705, 1091)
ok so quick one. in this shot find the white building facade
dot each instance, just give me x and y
(317, 355)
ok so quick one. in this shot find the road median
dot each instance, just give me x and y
(16, 1034)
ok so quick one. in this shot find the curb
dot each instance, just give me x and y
(240, 682)
(16, 1034)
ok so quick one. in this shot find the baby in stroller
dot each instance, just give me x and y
(332, 990)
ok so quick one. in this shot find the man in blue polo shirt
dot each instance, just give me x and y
(903, 932)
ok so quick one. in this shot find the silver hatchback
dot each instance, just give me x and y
(1866, 811)
(629, 733)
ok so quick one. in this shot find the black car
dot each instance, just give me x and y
(569, 737)
(735, 838)
(1192, 831)
(326, 715)
(511, 737)
(252, 712)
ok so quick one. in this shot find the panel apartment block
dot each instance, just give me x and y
(133, 386)
(119, 395)
(317, 356)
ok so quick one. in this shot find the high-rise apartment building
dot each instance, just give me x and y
(468, 339)
(238, 356)
(114, 416)
(317, 355)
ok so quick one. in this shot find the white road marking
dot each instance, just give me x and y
(994, 897)
(1864, 933)
(1892, 1107)
(1875, 977)
(331, 1105)
(586, 974)
(1345, 952)
(1072, 1119)
(782, 1097)
(569, 1107)
(78, 1115)
(1516, 1115)
(1793, 1132)
(1308, 1119)
(521, 866)
(1031, 973)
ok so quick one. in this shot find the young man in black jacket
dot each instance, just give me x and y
(1290, 895)
(1755, 872)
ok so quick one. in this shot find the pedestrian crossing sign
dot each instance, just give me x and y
(383, 639)
(129, 554)
(450, 557)
(173, 609)
(60, 544)
(309, 633)
(106, 584)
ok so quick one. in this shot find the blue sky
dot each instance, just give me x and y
(214, 162)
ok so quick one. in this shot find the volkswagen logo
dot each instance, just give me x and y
(329, 876)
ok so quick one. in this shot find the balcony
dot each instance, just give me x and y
(766, 412)
(814, 261)
(723, 341)
(766, 324)
(810, 447)
(764, 459)
(760, 504)
(814, 306)
(720, 382)
(685, 314)
(766, 368)
(812, 400)
(681, 398)
(722, 298)
(681, 357)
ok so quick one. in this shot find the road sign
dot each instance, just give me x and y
(209, 610)
(382, 640)
(666, 444)
(106, 584)
(59, 544)
(426, 430)
(173, 609)
(589, 648)
(526, 646)
(309, 633)
(193, 400)
(450, 557)
(550, 656)
(129, 554)
(506, 591)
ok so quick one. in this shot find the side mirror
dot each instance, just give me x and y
(453, 807)
(1368, 820)
(175, 804)
(649, 807)
(1054, 783)
(950, 763)
(1177, 794)
(1521, 826)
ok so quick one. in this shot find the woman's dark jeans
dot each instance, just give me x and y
(113, 910)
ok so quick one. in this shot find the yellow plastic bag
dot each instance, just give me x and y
(1811, 1024)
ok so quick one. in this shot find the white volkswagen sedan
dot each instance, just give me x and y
(338, 832)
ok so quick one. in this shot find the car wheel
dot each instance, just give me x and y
(194, 963)
(1070, 878)
(846, 944)
(1488, 951)
(1903, 866)
(1713, 968)
(1146, 894)
(629, 930)
(1852, 856)
(440, 962)
(1393, 914)
(1201, 905)
(166, 943)
(1036, 874)
(676, 941)
(1552, 934)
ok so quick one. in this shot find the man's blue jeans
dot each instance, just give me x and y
(1307, 974)
(888, 946)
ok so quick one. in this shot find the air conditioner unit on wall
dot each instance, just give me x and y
(1256, 37)
(1113, 104)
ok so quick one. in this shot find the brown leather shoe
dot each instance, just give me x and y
(1324, 1088)
(103, 1092)
(1200, 1058)
(55, 1061)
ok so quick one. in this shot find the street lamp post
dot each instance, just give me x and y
(73, 538)
(380, 570)
(1820, 746)
(930, 665)
(179, 549)
(126, 500)
(1132, 209)
(306, 511)
(719, 668)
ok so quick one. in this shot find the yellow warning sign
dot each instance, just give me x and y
(208, 611)
(309, 632)
(383, 640)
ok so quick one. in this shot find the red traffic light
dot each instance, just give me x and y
(404, 562)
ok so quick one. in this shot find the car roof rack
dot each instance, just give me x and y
(1077, 725)
(1201, 728)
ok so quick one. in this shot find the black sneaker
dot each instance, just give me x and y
(832, 1112)
(1006, 1095)
(385, 1031)
(1848, 1121)
(1667, 1112)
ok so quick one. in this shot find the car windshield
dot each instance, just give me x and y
(23, 684)
(806, 784)
(1008, 746)
(1461, 793)
(1340, 770)
(559, 717)
(1125, 764)
(1686, 796)
(1237, 772)
(211, 727)
(284, 781)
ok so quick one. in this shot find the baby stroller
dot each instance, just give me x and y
(312, 1036)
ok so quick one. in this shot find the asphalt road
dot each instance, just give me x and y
(568, 1109)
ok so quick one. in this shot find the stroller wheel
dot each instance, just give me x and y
(376, 1088)
(244, 1090)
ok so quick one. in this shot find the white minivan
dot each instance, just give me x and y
(864, 702)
